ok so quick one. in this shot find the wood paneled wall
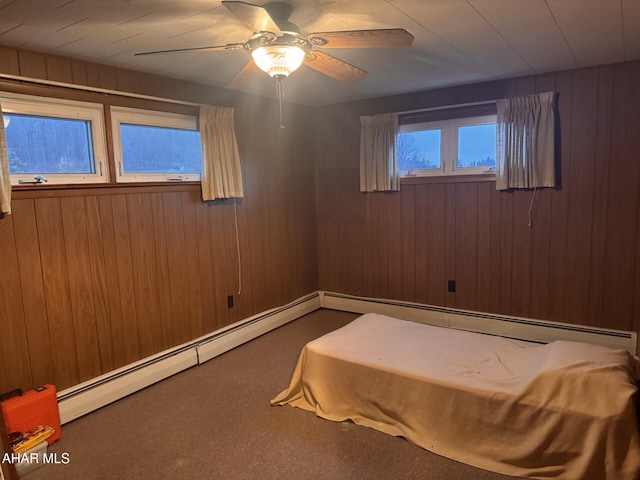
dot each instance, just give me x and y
(95, 278)
(578, 262)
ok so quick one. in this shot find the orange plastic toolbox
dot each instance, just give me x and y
(33, 408)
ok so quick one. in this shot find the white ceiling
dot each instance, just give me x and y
(456, 41)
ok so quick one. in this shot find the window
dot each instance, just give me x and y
(54, 141)
(464, 145)
(155, 146)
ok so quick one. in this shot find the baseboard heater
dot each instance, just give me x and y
(100, 391)
(521, 328)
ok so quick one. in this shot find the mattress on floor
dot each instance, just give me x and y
(562, 410)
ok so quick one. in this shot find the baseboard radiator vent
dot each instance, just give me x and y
(100, 391)
(521, 328)
(224, 340)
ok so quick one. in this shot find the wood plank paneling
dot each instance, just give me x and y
(340, 200)
(108, 77)
(32, 287)
(600, 194)
(367, 250)
(327, 270)
(581, 194)
(254, 174)
(496, 249)
(578, 262)
(380, 236)
(177, 264)
(13, 340)
(166, 333)
(98, 265)
(234, 267)
(206, 260)
(351, 236)
(539, 253)
(108, 276)
(521, 251)
(451, 200)
(436, 246)
(395, 239)
(76, 244)
(276, 213)
(79, 73)
(189, 200)
(58, 69)
(465, 245)
(221, 258)
(540, 233)
(560, 201)
(423, 255)
(56, 288)
(624, 191)
(145, 274)
(407, 230)
(32, 64)
(128, 332)
(9, 61)
(115, 305)
(483, 259)
(93, 75)
(505, 254)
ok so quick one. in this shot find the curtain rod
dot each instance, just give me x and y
(444, 107)
(87, 88)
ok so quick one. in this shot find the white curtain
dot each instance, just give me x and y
(221, 170)
(5, 179)
(526, 142)
(378, 162)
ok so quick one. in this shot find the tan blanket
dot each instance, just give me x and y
(562, 410)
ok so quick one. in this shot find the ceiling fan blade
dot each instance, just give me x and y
(247, 71)
(386, 38)
(333, 67)
(253, 16)
(228, 46)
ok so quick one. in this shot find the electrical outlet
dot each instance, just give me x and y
(230, 301)
(451, 286)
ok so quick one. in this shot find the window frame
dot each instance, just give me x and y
(439, 125)
(148, 118)
(448, 120)
(51, 107)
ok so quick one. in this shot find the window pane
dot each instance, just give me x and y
(477, 146)
(419, 150)
(160, 150)
(41, 145)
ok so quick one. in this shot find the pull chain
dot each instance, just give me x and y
(533, 196)
(280, 92)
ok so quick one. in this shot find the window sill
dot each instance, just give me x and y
(419, 180)
(86, 189)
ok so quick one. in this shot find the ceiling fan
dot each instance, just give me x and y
(278, 47)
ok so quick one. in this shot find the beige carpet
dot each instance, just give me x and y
(214, 421)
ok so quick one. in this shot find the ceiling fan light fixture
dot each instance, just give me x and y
(278, 59)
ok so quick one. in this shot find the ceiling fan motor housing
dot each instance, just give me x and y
(286, 40)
